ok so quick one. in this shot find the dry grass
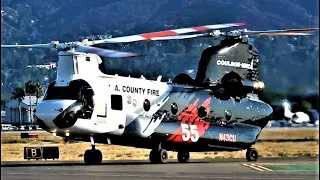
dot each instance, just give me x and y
(290, 133)
(12, 147)
(74, 151)
(42, 136)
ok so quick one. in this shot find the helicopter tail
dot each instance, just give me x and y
(230, 55)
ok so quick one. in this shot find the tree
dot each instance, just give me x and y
(39, 92)
(19, 94)
(30, 90)
(3, 104)
(306, 105)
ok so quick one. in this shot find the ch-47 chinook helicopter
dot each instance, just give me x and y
(219, 110)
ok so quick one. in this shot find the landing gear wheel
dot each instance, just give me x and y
(252, 154)
(93, 157)
(158, 156)
(163, 156)
(153, 156)
(183, 157)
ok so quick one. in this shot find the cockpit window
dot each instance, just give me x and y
(71, 92)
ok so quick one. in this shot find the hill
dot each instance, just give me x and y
(286, 63)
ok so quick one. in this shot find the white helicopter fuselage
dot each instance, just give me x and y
(123, 105)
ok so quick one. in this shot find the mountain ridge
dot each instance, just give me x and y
(293, 60)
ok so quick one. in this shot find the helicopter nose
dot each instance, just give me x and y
(267, 110)
(48, 110)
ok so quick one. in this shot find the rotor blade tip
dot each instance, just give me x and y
(239, 24)
(133, 56)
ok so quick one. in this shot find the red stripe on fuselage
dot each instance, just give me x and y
(205, 104)
(183, 117)
(190, 116)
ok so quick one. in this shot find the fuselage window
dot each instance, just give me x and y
(146, 105)
(116, 102)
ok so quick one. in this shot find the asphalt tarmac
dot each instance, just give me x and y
(128, 170)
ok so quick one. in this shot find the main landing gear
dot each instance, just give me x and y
(252, 154)
(160, 156)
(183, 157)
(92, 156)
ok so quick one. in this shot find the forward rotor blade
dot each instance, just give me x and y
(178, 37)
(105, 52)
(28, 46)
(150, 36)
(288, 32)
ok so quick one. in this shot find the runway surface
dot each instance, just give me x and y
(195, 169)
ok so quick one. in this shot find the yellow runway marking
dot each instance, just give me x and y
(257, 167)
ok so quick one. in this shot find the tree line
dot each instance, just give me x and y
(30, 89)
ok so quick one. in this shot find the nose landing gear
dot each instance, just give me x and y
(92, 156)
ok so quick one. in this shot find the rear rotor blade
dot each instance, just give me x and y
(49, 45)
(152, 35)
(105, 52)
(288, 32)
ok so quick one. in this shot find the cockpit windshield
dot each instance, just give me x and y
(71, 92)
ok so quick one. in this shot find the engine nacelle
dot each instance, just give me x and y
(256, 86)
(231, 85)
